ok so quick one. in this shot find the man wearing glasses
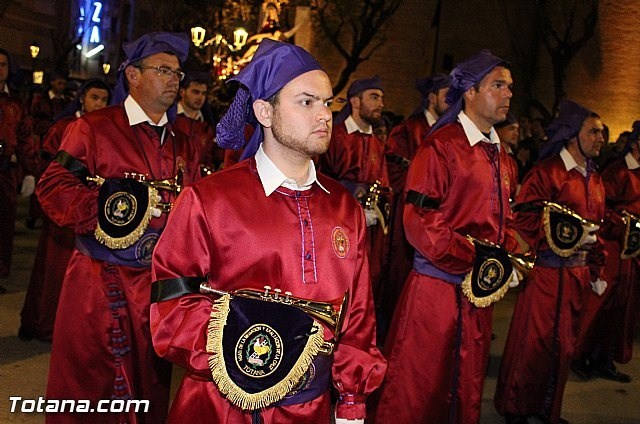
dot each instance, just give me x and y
(99, 185)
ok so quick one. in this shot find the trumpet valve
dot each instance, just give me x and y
(287, 297)
(276, 294)
(266, 292)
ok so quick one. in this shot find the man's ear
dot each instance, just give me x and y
(264, 112)
(133, 75)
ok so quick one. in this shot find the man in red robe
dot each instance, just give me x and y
(457, 185)
(101, 341)
(356, 159)
(404, 141)
(549, 313)
(56, 243)
(282, 225)
(17, 152)
(195, 121)
(617, 313)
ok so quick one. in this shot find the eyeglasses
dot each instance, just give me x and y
(164, 71)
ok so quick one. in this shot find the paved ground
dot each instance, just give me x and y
(24, 365)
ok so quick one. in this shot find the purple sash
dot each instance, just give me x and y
(548, 259)
(423, 266)
(138, 255)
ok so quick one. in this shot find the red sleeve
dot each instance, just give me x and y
(427, 229)
(64, 198)
(358, 366)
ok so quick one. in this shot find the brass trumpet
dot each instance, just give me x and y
(172, 185)
(325, 312)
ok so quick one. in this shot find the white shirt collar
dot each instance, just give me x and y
(6, 88)
(271, 177)
(353, 127)
(570, 162)
(136, 115)
(474, 135)
(430, 118)
(181, 111)
(632, 163)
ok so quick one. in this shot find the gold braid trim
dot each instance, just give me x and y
(134, 236)
(235, 394)
(482, 302)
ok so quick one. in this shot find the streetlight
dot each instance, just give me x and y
(34, 49)
(240, 38)
(197, 35)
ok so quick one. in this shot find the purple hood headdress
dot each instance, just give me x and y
(272, 67)
(464, 76)
(147, 45)
(566, 126)
(357, 87)
(429, 85)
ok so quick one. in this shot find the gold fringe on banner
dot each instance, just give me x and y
(482, 302)
(235, 394)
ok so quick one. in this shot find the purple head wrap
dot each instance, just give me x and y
(272, 67)
(566, 126)
(357, 87)
(145, 46)
(427, 86)
(464, 76)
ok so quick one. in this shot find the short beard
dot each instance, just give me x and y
(281, 132)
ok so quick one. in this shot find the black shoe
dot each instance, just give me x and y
(510, 418)
(581, 369)
(24, 335)
(611, 373)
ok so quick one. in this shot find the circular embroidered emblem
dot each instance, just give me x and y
(490, 274)
(259, 351)
(144, 248)
(340, 242)
(566, 232)
(120, 208)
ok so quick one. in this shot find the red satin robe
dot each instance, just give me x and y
(618, 310)
(310, 243)
(17, 157)
(203, 135)
(359, 158)
(423, 339)
(537, 358)
(55, 246)
(101, 341)
(403, 143)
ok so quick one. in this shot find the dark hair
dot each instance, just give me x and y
(96, 83)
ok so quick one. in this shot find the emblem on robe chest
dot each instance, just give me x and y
(340, 242)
